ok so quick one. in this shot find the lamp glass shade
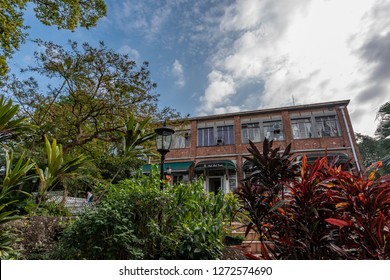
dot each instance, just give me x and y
(163, 139)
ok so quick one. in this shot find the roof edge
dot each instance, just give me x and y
(275, 109)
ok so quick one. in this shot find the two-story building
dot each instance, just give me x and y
(214, 146)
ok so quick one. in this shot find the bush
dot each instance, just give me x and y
(327, 212)
(136, 220)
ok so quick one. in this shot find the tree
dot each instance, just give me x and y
(370, 149)
(127, 155)
(65, 14)
(383, 129)
(95, 92)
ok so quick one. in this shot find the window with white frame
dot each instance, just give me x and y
(327, 126)
(225, 135)
(301, 128)
(273, 130)
(250, 131)
(181, 139)
(206, 137)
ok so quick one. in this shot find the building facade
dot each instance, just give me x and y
(213, 147)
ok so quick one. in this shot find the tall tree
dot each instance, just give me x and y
(383, 131)
(94, 93)
(370, 149)
(65, 14)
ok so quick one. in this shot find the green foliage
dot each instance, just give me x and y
(370, 149)
(198, 218)
(14, 175)
(383, 115)
(137, 220)
(52, 209)
(10, 126)
(67, 14)
(57, 168)
(374, 149)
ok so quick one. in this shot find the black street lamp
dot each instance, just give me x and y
(163, 144)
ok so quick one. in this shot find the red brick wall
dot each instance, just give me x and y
(236, 151)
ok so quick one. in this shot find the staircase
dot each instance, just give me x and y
(251, 243)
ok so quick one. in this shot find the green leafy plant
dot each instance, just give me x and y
(57, 168)
(11, 126)
(127, 224)
(13, 176)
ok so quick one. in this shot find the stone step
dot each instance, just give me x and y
(253, 247)
(252, 236)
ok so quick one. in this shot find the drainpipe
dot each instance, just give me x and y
(350, 138)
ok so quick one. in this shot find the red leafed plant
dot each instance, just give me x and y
(362, 213)
(328, 212)
(335, 214)
(304, 232)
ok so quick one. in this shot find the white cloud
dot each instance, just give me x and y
(178, 73)
(309, 50)
(132, 53)
(217, 94)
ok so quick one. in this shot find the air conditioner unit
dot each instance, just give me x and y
(219, 141)
(276, 128)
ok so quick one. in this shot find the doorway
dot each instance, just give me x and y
(215, 184)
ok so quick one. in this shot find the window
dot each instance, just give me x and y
(206, 136)
(301, 128)
(273, 130)
(327, 126)
(181, 139)
(225, 134)
(250, 131)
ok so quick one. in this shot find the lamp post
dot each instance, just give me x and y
(163, 144)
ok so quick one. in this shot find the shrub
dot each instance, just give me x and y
(136, 220)
(328, 212)
(262, 193)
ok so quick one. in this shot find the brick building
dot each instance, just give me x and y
(214, 146)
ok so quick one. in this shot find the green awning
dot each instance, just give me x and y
(247, 167)
(342, 158)
(175, 166)
(215, 164)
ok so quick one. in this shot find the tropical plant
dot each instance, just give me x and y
(11, 126)
(13, 176)
(131, 153)
(302, 230)
(362, 213)
(331, 213)
(57, 168)
(262, 193)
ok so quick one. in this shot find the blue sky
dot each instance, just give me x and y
(219, 56)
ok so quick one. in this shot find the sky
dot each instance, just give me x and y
(221, 56)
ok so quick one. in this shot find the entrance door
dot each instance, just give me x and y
(215, 184)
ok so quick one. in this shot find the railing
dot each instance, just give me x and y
(75, 205)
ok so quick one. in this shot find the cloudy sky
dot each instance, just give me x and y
(218, 56)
